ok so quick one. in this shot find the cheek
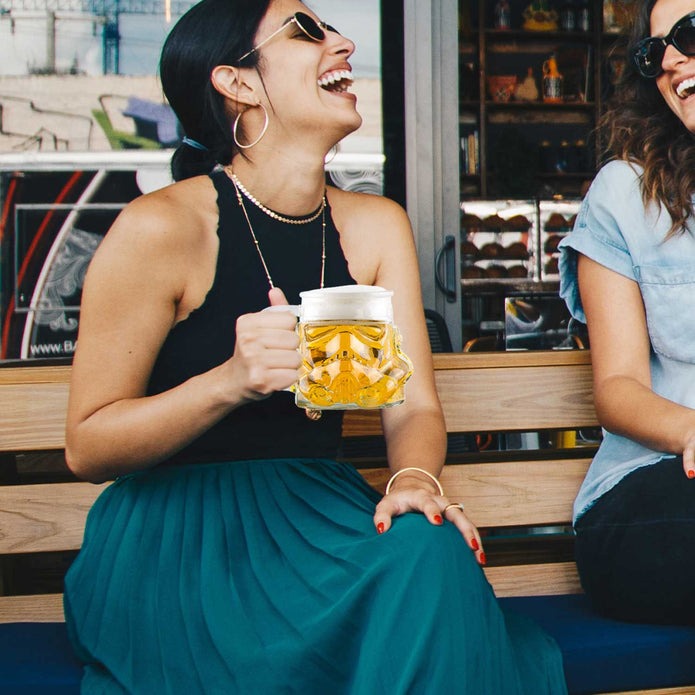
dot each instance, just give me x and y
(662, 84)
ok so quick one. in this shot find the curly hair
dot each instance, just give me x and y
(641, 128)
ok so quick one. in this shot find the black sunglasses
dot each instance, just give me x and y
(313, 30)
(649, 53)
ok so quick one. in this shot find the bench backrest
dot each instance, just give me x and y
(480, 393)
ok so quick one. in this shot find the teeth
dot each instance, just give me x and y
(686, 87)
(331, 78)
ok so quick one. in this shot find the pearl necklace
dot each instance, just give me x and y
(239, 188)
(271, 213)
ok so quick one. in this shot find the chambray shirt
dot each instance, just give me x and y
(614, 229)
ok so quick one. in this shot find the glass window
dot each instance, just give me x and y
(81, 75)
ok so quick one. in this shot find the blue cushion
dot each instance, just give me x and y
(36, 659)
(602, 655)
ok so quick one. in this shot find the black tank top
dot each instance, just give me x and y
(273, 427)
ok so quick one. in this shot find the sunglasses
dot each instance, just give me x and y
(649, 53)
(308, 25)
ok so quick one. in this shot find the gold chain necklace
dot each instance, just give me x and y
(271, 213)
(311, 413)
(239, 188)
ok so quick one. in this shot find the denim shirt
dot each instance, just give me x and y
(614, 229)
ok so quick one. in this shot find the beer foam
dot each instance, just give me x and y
(347, 303)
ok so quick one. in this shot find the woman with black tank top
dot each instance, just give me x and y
(232, 553)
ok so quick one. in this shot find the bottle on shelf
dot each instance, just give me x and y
(583, 16)
(552, 81)
(527, 90)
(568, 17)
(503, 15)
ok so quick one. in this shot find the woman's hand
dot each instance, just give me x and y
(689, 455)
(410, 494)
(265, 357)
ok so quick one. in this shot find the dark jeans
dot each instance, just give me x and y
(635, 547)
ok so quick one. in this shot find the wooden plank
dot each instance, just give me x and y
(512, 398)
(516, 580)
(480, 392)
(50, 374)
(511, 358)
(44, 517)
(510, 392)
(516, 493)
(683, 690)
(548, 579)
(33, 415)
(44, 608)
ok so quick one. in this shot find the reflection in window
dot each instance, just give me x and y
(82, 75)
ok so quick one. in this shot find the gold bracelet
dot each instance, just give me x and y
(419, 470)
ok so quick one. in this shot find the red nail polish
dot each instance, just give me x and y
(438, 520)
(474, 544)
(380, 527)
(691, 473)
(482, 559)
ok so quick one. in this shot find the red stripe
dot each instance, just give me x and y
(32, 248)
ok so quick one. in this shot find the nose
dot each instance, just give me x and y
(339, 44)
(672, 58)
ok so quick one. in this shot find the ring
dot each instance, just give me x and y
(458, 505)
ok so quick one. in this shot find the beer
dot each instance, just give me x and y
(350, 365)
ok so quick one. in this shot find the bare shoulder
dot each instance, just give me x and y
(167, 216)
(161, 225)
(375, 233)
(367, 211)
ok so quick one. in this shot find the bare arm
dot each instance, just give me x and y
(625, 402)
(138, 286)
(415, 430)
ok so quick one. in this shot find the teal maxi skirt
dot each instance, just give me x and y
(268, 578)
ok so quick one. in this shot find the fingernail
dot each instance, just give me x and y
(691, 473)
(474, 544)
(438, 520)
(380, 527)
(482, 559)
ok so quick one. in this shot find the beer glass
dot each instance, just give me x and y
(350, 349)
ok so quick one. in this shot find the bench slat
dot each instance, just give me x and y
(517, 493)
(516, 580)
(547, 579)
(51, 516)
(44, 608)
(45, 517)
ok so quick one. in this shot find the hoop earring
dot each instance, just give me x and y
(259, 138)
(331, 155)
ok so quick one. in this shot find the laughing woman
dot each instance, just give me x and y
(628, 269)
(232, 553)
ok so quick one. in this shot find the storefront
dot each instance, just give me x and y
(483, 126)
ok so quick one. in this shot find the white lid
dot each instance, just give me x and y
(348, 302)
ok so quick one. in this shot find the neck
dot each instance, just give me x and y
(293, 188)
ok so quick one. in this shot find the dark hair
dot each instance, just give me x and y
(641, 128)
(211, 33)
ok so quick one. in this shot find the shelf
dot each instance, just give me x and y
(540, 106)
(522, 128)
(541, 36)
(503, 285)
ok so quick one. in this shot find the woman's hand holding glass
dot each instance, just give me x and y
(265, 357)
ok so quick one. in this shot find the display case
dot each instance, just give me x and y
(509, 248)
(532, 87)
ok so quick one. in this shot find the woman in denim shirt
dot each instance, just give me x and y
(628, 270)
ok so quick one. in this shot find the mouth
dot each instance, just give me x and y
(337, 81)
(685, 88)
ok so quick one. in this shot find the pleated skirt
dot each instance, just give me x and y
(268, 577)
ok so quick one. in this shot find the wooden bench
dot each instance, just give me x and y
(521, 501)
